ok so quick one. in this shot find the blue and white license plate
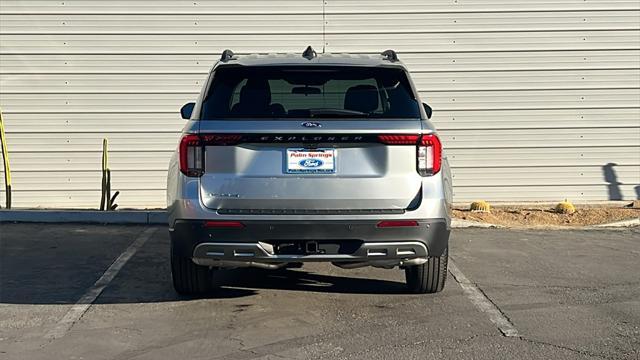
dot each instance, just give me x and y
(311, 161)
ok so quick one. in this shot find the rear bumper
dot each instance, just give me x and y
(350, 241)
(211, 253)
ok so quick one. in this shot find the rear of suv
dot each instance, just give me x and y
(288, 159)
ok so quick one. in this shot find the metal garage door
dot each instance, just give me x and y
(535, 100)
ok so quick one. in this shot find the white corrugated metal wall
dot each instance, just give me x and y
(535, 100)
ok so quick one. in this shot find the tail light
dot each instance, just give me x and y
(191, 154)
(429, 155)
(429, 150)
(192, 150)
(398, 139)
(220, 139)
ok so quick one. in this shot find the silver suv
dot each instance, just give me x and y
(290, 158)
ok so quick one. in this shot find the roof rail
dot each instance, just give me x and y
(309, 53)
(226, 55)
(390, 55)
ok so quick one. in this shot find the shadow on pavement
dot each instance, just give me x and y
(300, 280)
(57, 264)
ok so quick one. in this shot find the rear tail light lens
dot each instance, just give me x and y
(220, 139)
(191, 155)
(429, 155)
(429, 150)
(399, 139)
(397, 223)
(192, 150)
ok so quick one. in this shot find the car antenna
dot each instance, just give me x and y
(309, 53)
(226, 55)
(390, 55)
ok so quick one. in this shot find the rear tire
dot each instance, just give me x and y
(429, 277)
(189, 278)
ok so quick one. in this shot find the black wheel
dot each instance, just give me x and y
(189, 278)
(429, 277)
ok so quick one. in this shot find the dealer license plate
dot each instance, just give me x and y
(311, 161)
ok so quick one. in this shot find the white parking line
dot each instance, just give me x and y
(79, 308)
(480, 300)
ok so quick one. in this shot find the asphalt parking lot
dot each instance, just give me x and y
(569, 295)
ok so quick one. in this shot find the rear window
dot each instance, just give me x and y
(309, 92)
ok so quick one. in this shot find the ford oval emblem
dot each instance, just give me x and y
(311, 163)
(311, 124)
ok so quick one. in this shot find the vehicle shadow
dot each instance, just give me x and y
(300, 280)
(58, 264)
(152, 287)
(239, 283)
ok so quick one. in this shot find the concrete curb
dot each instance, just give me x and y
(159, 217)
(624, 223)
(462, 224)
(84, 216)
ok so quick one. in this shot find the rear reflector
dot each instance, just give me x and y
(397, 223)
(223, 224)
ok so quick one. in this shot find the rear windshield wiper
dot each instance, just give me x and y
(336, 113)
